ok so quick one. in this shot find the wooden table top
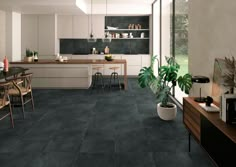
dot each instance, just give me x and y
(73, 61)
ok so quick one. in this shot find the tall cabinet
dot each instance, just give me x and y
(79, 26)
(38, 33)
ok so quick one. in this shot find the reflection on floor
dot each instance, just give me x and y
(82, 128)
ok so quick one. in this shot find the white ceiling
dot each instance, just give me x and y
(114, 7)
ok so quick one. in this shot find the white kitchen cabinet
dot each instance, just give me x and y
(80, 26)
(146, 60)
(38, 33)
(134, 63)
(29, 33)
(65, 26)
(98, 25)
(46, 35)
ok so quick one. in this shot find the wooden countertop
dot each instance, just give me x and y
(214, 118)
(73, 61)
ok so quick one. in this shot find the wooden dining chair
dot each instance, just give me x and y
(21, 91)
(5, 101)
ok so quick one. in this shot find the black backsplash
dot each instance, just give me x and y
(117, 46)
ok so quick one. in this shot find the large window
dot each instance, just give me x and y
(170, 34)
(181, 41)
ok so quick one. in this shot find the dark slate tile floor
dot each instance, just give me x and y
(83, 128)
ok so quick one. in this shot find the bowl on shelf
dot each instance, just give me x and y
(125, 35)
(108, 57)
(112, 28)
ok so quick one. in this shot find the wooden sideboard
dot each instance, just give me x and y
(214, 135)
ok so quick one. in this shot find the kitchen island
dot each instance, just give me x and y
(73, 73)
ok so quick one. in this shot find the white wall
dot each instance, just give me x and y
(9, 35)
(2, 35)
(13, 36)
(16, 36)
(212, 35)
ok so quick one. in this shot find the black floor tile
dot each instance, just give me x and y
(49, 159)
(97, 146)
(135, 159)
(72, 127)
(95, 160)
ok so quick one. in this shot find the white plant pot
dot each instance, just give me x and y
(167, 113)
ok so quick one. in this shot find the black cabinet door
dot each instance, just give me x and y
(221, 149)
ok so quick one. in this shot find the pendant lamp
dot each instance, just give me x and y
(107, 37)
(91, 37)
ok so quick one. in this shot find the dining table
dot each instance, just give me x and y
(12, 72)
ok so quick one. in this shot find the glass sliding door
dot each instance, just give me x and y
(181, 41)
(170, 34)
(166, 29)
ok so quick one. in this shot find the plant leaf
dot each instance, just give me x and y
(145, 76)
(185, 83)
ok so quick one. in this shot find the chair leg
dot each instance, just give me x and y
(102, 82)
(11, 116)
(111, 77)
(23, 107)
(32, 100)
(119, 81)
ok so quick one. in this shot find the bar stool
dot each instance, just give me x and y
(98, 77)
(114, 76)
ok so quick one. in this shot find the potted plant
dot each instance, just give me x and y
(162, 85)
(29, 55)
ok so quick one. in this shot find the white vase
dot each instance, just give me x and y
(167, 113)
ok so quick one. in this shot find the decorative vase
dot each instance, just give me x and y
(167, 113)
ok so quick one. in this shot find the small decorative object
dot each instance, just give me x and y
(106, 50)
(229, 76)
(208, 101)
(57, 56)
(228, 108)
(61, 59)
(130, 26)
(6, 64)
(1, 66)
(108, 57)
(112, 28)
(200, 79)
(136, 26)
(65, 58)
(131, 35)
(35, 56)
(142, 35)
(29, 55)
(139, 26)
(94, 51)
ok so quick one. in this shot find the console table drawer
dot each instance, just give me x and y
(192, 120)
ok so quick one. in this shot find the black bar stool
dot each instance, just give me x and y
(114, 76)
(98, 78)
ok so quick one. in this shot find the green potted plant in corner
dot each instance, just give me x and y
(162, 85)
(29, 55)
